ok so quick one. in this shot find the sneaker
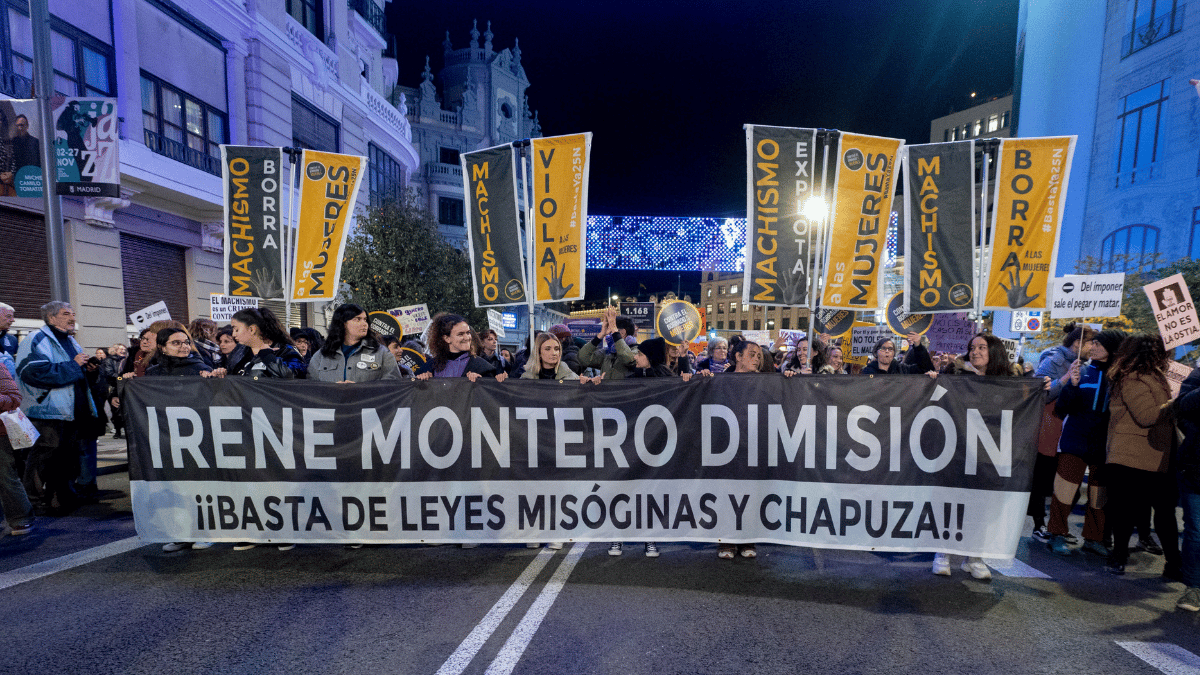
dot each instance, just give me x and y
(201, 545)
(532, 545)
(354, 546)
(976, 568)
(1041, 534)
(1058, 545)
(1095, 547)
(1115, 568)
(554, 545)
(941, 564)
(651, 550)
(1190, 600)
(1071, 539)
(614, 548)
(18, 530)
(176, 546)
(243, 546)
(1151, 545)
(286, 547)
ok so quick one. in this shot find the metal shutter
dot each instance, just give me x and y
(153, 271)
(25, 264)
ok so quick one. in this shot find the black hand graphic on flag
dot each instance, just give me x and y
(1017, 294)
(557, 292)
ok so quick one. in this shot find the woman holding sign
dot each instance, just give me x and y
(916, 361)
(352, 352)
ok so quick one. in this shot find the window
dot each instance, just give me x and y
(311, 129)
(945, 135)
(1149, 21)
(448, 156)
(993, 123)
(1129, 248)
(720, 308)
(708, 309)
(310, 15)
(83, 66)
(1194, 241)
(182, 127)
(787, 323)
(954, 134)
(978, 128)
(743, 324)
(733, 289)
(1139, 142)
(1004, 120)
(387, 180)
(733, 307)
(758, 324)
(720, 290)
(709, 293)
(720, 325)
(450, 211)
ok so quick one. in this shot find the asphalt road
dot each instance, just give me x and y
(510, 609)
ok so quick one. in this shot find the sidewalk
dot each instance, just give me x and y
(112, 456)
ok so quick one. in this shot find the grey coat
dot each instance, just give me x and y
(362, 366)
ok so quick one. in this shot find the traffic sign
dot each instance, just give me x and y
(1026, 322)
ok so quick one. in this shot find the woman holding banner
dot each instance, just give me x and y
(717, 361)
(549, 364)
(1141, 438)
(269, 351)
(352, 352)
(916, 361)
(450, 344)
(746, 357)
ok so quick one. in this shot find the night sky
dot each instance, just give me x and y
(665, 87)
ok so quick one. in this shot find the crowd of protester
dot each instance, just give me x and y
(1110, 420)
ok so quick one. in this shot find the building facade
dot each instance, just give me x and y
(727, 315)
(1134, 191)
(476, 101)
(990, 119)
(189, 76)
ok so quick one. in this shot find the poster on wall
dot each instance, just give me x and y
(20, 151)
(85, 146)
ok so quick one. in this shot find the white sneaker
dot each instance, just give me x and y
(244, 546)
(201, 545)
(614, 548)
(554, 545)
(286, 547)
(532, 545)
(977, 568)
(176, 546)
(941, 564)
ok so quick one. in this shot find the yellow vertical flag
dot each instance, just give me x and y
(328, 190)
(1031, 188)
(864, 185)
(559, 182)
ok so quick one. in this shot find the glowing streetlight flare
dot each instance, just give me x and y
(815, 208)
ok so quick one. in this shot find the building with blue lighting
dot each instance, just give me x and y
(1117, 74)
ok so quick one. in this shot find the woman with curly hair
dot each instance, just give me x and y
(451, 344)
(1141, 438)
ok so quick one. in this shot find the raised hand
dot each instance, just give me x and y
(1017, 292)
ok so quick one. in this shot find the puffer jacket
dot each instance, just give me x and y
(47, 375)
(1054, 363)
(278, 360)
(1141, 427)
(1084, 409)
(363, 365)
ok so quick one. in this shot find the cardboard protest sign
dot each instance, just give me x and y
(1088, 295)
(496, 322)
(148, 315)
(863, 339)
(950, 333)
(1171, 302)
(223, 307)
(413, 319)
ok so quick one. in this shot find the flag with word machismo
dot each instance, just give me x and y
(253, 250)
(328, 189)
(863, 186)
(1031, 189)
(560, 188)
(494, 226)
(780, 179)
(939, 227)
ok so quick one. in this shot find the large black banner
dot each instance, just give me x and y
(939, 228)
(890, 463)
(253, 204)
(493, 227)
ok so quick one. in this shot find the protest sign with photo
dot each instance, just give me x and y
(560, 192)
(862, 207)
(939, 225)
(1171, 302)
(1088, 295)
(85, 146)
(801, 461)
(328, 191)
(494, 226)
(21, 175)
(780, 167)
(223, 307)
(253, 203)
(1031, 189)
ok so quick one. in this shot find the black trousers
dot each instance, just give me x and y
(1131, 494)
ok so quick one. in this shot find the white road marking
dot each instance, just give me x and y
(512, 650)
(66, 562)
(1168, 658)
(466, 651)
(1011, 567)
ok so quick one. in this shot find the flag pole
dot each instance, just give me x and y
(989, 148)
(527, 195)
(288, 244)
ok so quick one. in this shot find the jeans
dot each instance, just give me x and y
(13, 500)
(87, 465)
(1191, 537)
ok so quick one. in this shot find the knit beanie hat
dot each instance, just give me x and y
(655, 350)
(1110, 339)
(561, 332)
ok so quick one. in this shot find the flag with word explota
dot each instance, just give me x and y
(1031, 189)
(864, 185)
(560, 189)
(939, 227)
(328, 189)
(781, 177)
(253, 249)
(494, 226)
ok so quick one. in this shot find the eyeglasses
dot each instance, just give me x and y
(179, 343)
(887, 349)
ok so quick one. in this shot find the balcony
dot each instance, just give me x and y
(446, 174)
(372, 14)
(1162, 26)
(181, 152)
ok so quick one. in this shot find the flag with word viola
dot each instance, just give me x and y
(560, 189)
